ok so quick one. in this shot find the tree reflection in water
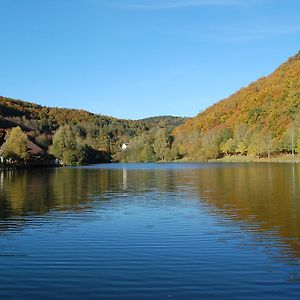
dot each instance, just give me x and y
(264, 195)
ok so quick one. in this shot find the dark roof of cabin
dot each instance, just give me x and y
(32, 148)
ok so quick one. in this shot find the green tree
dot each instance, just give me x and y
(67, 147)
(162, 143)
(140, 150)
(147, 153)
(15, 146)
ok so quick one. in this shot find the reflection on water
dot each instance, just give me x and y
(175, 226)
(266, 195)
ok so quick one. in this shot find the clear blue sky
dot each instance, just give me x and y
(138, 58)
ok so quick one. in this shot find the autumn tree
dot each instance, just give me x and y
(261, 143)
(292, 136)
(298, 141)
(102, 142)
(241, 148)
(271, 102)
(15, 146)
(210, 147)
(228, 147)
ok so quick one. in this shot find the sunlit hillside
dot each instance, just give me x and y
(267, 107)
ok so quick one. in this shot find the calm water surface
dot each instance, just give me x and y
(151, 231)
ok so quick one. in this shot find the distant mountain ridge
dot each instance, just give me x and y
(166, 121)
(161, 118)
(10, 107)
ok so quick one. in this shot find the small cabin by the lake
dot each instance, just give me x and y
(37, 156)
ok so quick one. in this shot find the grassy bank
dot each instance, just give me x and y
(288, 158)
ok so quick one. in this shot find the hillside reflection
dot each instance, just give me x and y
(265, 195)
(40, 190)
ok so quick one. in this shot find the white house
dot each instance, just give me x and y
(124, 146)
(1, 157)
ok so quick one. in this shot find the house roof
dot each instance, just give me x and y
(32, 148)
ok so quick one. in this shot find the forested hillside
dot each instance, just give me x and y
(87, 137)
(167, 120)
(259, 120)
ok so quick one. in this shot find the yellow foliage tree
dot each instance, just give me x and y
(15, 146)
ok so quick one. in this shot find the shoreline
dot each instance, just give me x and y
(286, 158)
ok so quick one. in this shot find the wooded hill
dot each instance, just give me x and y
(93, 132)
(169, 120)
(260, 120)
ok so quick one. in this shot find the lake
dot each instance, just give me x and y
(151, 231)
